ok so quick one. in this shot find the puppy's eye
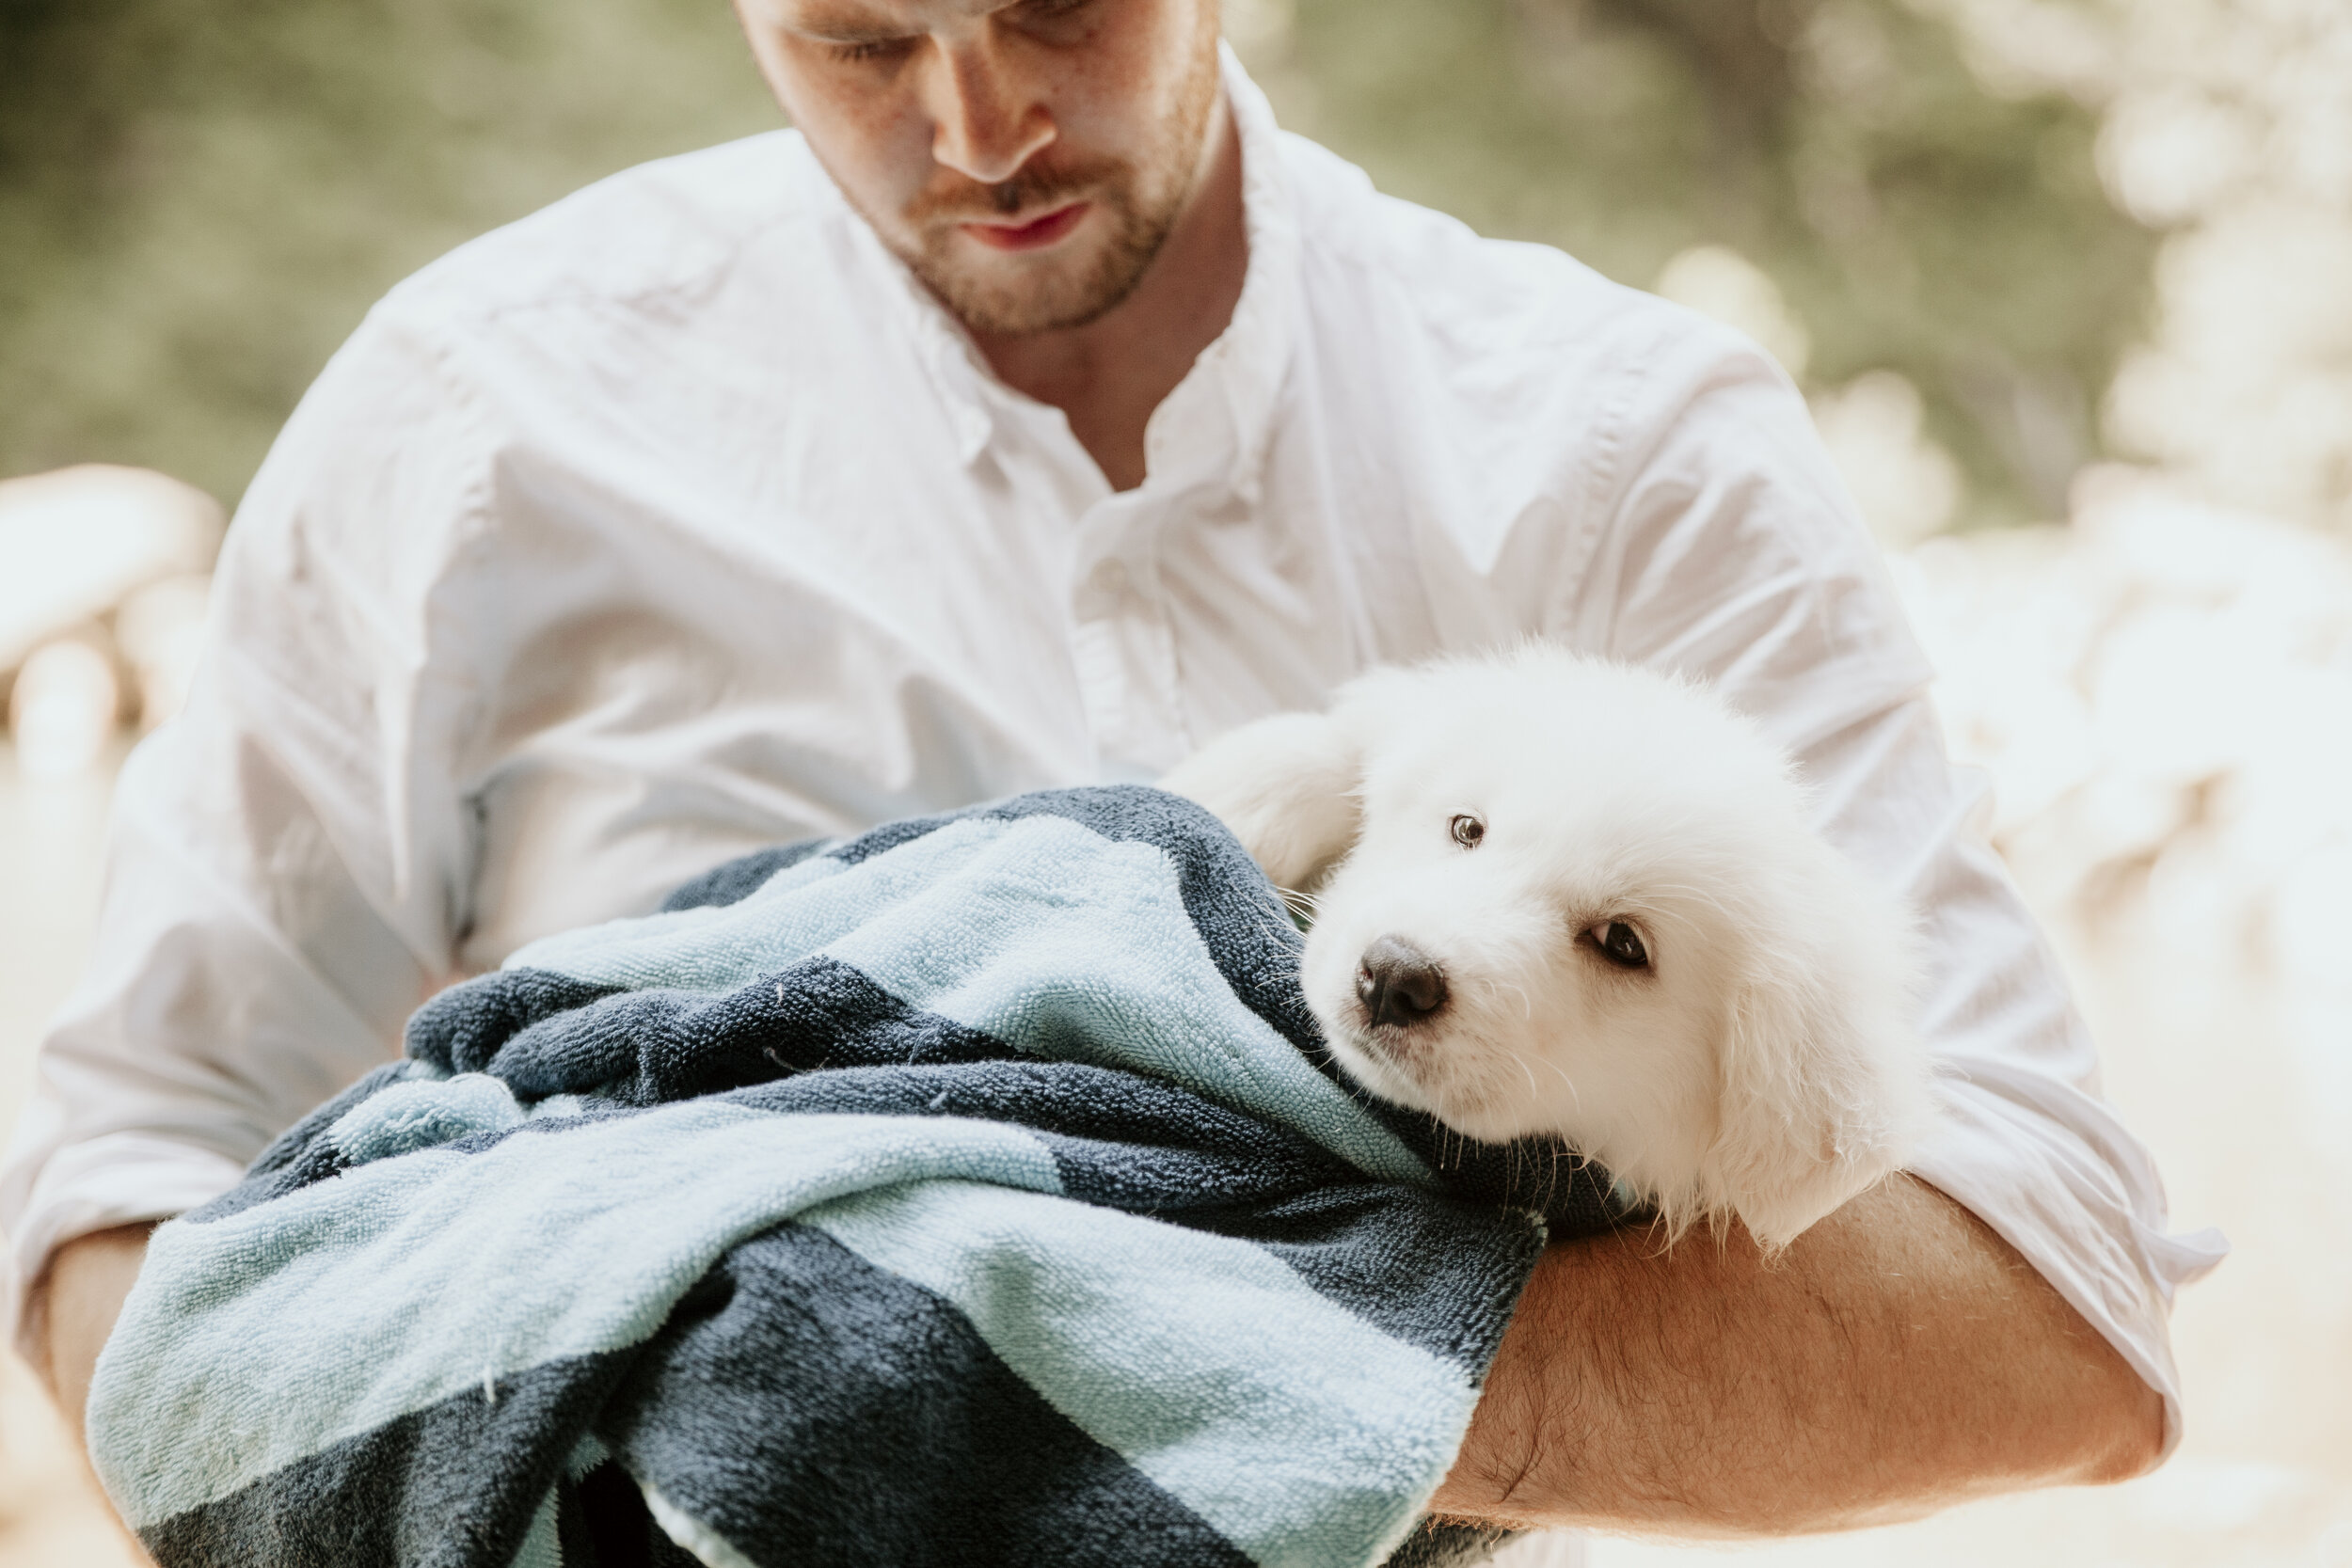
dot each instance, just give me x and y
(1620, 944)
(1468, 830)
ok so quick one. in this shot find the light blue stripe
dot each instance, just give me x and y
(708, 1546)
(255, 1340)
(1303, 1434)
(424, 1113)
(713, 948)
(1039, 931)
(544, 1546)
(795, 914)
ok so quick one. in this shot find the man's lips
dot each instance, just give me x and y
(1032, 235)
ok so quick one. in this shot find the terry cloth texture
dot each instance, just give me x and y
(976, 1191)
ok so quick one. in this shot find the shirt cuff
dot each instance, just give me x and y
(2080, 1201)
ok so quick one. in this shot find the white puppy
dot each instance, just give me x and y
(1556, 896)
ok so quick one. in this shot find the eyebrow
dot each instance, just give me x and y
(829, 25)
(842, 27)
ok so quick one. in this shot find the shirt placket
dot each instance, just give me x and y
(1120, 643)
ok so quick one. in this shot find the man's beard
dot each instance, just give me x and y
(1140, 203)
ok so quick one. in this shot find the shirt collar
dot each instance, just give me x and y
(1237, 377)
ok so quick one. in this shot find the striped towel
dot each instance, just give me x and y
(974, 1191)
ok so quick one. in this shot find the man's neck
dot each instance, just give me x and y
(1109, 375)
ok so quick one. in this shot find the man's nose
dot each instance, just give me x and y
(1398, 983)
(986, 123)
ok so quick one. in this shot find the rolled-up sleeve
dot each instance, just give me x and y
(1731, 551)
(286, 861)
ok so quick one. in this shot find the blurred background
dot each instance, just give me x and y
(2069, 283)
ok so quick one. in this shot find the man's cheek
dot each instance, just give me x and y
(875, 143)
(1120, 115)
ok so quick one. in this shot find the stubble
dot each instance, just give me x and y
(1138, 203)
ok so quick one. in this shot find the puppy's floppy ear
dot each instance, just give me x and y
(1822, 1082)
(1285, 785)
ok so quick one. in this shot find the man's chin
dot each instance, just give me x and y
(1069, 280)
(1051, 289)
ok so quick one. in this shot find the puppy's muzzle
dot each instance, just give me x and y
(1398, 983)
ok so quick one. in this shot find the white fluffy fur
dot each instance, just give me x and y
(1763, 1066)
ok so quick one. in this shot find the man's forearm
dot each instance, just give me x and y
(73, 1308)
(1899, 1357)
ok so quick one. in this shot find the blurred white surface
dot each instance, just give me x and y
(51, 834)
(1716, 280)
(62, 708)
(74, 543)
(159, 629)
(1907, 486)
(104, 578)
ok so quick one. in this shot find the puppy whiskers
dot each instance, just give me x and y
(1489, 985)
(1573, 1095)
(1532, 1089)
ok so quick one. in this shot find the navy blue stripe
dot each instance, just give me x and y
(454, 1484)
(874, 1426)
(1119, 1140)
(735, 880)
(651, 1047)
(1436, 1273)
(1150, 1148)
(1448, 1543)
(465, 1026)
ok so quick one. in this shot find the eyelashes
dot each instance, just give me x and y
(1618, 943)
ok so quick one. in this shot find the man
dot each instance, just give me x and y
(1034, 414)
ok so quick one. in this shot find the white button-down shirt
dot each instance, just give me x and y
(678, 519)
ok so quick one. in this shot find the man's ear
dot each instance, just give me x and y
(1286, 786)
(1823, 1088)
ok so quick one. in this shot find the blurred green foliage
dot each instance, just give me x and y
(197, 202)
(1911, 219)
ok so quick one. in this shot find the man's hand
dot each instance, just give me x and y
(1897, 1359)
(73, 1308)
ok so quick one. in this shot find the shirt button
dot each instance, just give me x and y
(1110, 579)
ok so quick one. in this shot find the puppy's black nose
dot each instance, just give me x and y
(1398, 983)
